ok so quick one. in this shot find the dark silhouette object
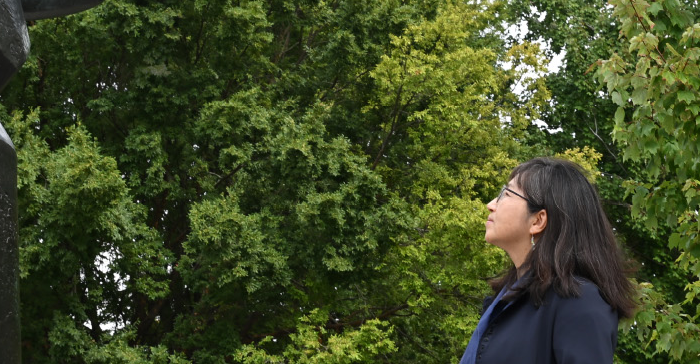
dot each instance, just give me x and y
(42, 9)
(14, 47)
(14, 39)
(10, 351)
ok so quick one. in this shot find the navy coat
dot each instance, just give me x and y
(580, 330)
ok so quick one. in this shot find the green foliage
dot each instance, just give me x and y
(587, 158)
(312, 343)
(263, 181)
(654, 82)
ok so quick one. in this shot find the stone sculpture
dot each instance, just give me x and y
(14, 40)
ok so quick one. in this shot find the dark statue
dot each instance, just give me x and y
(14, 40)
(14, 48)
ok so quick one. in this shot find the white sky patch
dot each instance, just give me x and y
(518, 32)
(103, 263)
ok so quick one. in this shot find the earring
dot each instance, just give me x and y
(532, 240)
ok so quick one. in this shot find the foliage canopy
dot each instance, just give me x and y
(295, 181)
(262, 181)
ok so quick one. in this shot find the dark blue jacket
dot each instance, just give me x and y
(580, 330)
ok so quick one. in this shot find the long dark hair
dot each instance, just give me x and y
(577, 242)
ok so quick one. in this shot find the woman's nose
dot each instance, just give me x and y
(491, 205)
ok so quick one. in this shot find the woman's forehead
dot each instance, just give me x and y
(514, 182)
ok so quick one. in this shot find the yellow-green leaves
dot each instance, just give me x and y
(314, 343)
(587, 158)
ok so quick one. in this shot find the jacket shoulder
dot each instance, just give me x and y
(585, 327)
(589, 296)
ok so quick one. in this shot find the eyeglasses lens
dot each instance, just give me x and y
(500, 194)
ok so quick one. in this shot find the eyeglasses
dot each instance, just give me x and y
(500, 194)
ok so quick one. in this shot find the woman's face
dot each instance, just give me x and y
(508, 224)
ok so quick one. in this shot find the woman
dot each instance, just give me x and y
(562, 299)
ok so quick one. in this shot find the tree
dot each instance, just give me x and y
(290, 181)
(654, 82)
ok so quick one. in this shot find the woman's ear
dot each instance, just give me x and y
(539, 222)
